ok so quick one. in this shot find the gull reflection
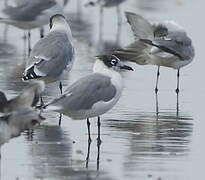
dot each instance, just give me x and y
(154, 145)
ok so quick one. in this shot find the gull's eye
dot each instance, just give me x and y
(113, 62)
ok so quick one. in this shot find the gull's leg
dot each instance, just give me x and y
(156, 87)
(29, 42)
(98, 124)
(61, 87)
(60, 118)
(41, 32)
(41, 100)
(98, 156)
(157, 105)
(24, 48)
(119, 17)
(88, 154)
(177, 91)
(88, 125)
(101, 25)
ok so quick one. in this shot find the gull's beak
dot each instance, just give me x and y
(126, 68)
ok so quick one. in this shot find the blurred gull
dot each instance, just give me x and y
(94, 94)
(12, 124)
(106, 3)
(164, 44)
(27, 98)
(53, 54)
(29, 14)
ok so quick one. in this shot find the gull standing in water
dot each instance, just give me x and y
(95, 94)
(29, 14)
(53, 54)
(163, 44)
(106, 4)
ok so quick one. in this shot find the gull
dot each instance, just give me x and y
(93, 95)
(12, 124)
(29, 97)
(29, 14)
(163, 44)
(53, 54)
(106, 4)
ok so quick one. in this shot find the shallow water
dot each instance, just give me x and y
(136, 144)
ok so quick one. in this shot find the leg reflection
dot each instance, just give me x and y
(88, 154)
(98, 155)
(157, 105)
(177, 92)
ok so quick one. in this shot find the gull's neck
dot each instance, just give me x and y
(63, 27)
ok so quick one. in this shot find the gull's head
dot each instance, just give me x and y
(111, 62)
(57, 19)
(166, 27)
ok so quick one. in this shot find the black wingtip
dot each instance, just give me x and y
(30, 74)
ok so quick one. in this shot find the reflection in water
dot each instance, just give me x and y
(154, 145)
(51, 156)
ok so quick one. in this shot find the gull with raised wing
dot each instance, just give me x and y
(163, 44)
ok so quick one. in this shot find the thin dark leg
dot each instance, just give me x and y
(88, 154)
(119, 18)
(156, 88)
(24, 48)
(98, 157)
(61, 87)
(88, 125)
(177, 91)
(98, 124)
(29, 42)
(41, 101)
(101, 25)
(41, 32)
(60, 118)
(157, 105)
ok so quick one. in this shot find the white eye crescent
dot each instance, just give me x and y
(113, 62)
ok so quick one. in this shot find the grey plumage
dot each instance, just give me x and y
(53, 54)
(87, 91)
(12, 124)
(28, 11)
(176, 43)
(163, 44)
(27, 98)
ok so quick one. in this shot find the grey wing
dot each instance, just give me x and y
(86, 92)
(140, 26)
(177, 43)
(54, 54)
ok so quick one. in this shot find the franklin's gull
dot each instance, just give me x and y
(164, 44)
(28, 15)
(53, 54)
(94, 94)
